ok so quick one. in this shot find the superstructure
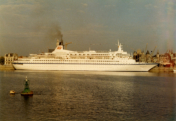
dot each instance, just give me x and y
(61, 59)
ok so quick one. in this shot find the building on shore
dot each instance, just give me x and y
(167, 60)
(9, 58)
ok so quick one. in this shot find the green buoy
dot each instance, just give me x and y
(27, 91)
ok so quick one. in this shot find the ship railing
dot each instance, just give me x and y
(92, 51)
(102, 51)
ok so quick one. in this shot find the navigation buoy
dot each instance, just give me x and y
(27, 91)
(12, 92)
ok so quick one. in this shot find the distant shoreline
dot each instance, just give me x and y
(6, 67)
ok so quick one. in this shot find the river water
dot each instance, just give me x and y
(79, 95)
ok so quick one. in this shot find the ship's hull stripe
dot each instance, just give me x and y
(85, 63)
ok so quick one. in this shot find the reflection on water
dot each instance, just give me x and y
(26, 103)
(102, 73)
(68, 95)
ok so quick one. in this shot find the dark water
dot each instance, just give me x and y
(65, 95)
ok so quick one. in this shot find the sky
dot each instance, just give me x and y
(33, 26)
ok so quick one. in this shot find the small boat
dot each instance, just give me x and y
(12, 92)
(174, 70)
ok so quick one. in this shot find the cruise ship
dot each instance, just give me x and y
(62, 59)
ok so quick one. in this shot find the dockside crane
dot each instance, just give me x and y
(153, 51)
(145, 48)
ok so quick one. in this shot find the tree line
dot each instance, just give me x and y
(1, 60)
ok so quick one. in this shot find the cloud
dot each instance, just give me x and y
(13, 18)
(109, 6)
(89, 29)
(28, 20)
(81, 11)
(16, 9)
(96, 26)
(148, 6)
(20, 1)
(84, 4)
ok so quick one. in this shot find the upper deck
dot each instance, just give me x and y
(60, 53)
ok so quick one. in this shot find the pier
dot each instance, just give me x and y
(161, 69)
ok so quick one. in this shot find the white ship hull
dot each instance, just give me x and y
(85, 67)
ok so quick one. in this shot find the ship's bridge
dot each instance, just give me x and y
(60, 51)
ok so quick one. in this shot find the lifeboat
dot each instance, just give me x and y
(12, 92)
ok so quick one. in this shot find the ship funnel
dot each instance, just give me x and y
(61, 43)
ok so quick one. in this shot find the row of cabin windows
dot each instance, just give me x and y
(105, 56)
(76, 67)
(45, 54)
(89, 54)
(74, 60)
(77, 61)
(93, 63)
(96, 62)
